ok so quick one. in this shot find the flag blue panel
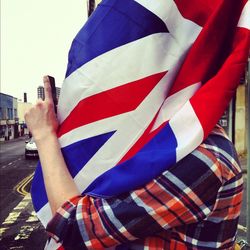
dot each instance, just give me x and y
(76, 156)
(129, 22)
(155, 157)
(38, 191)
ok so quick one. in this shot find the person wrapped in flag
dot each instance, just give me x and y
(135, 159)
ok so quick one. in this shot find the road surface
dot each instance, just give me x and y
(19, 227)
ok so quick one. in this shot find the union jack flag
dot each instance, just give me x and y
(146, 82)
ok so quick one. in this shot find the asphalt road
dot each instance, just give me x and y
(10, 150)
(19, 226)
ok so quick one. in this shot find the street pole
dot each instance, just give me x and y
(248, 153)
(91, 6)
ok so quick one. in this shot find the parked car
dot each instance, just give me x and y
(30, 148)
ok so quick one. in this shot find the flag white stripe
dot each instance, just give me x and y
(174, 103)
(124, 65)
(45, 214)
(183, 30)
(244, 21)
(187, 129)
(90, 130)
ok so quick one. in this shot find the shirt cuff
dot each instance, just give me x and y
(64, 221)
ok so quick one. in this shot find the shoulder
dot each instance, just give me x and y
(215, 159)
(220, 148)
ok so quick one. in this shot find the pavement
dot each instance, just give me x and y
(21, 138)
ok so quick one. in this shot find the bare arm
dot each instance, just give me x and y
(43, 124)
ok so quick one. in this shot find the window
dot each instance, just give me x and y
(15, 113)
(10, 114)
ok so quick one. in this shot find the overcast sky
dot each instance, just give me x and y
(35, 40)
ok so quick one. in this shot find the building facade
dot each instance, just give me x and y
(58, 91)
(235, 118)
(242, 115)
(8, 117)
(40, 92)
(22, 107)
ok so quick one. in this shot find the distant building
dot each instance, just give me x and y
(235, 118)
(22, 107)
(8, 117)
(40, 92)
(241, 129)
(58, 91)
(24, 97)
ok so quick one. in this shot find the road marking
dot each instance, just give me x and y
(10, 163)
(12, 217)
(30, 224)
(2, 230)
(33, 217)
(20, 187)
(26, 230)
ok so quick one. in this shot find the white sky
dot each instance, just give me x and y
(35, 39)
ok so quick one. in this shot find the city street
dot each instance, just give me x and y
(19, 227)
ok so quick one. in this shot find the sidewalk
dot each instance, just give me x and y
(22, 138)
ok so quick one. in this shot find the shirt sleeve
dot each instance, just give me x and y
(174, 199)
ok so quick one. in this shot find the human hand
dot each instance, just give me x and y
(41, 118)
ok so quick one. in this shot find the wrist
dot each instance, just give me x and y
(45, 138)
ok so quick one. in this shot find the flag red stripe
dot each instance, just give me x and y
(210, 50)
(212, 99)
(109, 103)
(198, 11)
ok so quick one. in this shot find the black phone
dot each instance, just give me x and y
(53, 90)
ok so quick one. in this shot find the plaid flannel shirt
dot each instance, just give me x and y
(194, 205)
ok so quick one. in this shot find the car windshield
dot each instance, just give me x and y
(31, 140)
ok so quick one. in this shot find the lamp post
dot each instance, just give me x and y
(248, 154)
(91, 6)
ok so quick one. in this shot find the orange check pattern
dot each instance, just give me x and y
(194, 205)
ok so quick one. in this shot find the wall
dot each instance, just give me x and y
(6, 104)
(240, 120)
(8, 117)
(22, 107)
